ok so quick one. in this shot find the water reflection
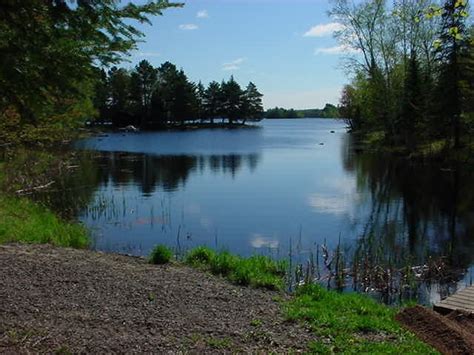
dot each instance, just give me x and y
(169, 173)
(417, 212)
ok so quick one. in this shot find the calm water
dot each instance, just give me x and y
(285, 185)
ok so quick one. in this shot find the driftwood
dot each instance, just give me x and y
(33, 189)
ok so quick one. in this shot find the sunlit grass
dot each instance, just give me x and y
(257, 271)
(351, 323)
(23, 221)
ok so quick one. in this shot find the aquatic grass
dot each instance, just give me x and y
(23, 221)
(160, 255)
(351, 323)
(257, 271)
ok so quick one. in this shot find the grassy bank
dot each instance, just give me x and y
(351, 323)
(342, 323)
(23, 221)
(256, 271)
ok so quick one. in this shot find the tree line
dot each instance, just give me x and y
(150, 97)
(329, 111)
(413, 69)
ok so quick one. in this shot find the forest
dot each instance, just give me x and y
(413, 70)
(329, 111)
(149, 97)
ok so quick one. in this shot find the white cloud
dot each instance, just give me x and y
(188, 27)
(233, 65)
(336, 50)
(323, 30)
(202, 14)
(148, 54)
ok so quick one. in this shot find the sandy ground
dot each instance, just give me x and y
(66, 300)
(450, 334)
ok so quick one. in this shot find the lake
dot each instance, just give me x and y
(283, 187)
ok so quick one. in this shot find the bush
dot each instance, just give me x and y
(200, 256)
(160, 255)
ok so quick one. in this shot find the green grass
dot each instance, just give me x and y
(23, 221)
(351, 323)
(160, 255)
(257, 271)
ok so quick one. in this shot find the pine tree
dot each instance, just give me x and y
(454, 38)
(252, 107)
(232, 100)
(212, 101)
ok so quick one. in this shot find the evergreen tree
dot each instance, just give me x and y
(200, 99)
(453, 41)
(212, 101)
(232, 103)
(143, 81)
(411, 112)
(119, 107)
(252, 108)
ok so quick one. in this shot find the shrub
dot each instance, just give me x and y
(200, 256)
(160, 255)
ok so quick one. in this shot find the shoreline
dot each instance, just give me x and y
(436, 151)
(69, 300)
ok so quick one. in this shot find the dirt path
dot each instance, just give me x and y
(451, 334)
(54, 299)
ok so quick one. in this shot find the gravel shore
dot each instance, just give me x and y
(67, 300)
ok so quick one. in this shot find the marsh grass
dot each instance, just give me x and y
(351, 323)
(257, 271)
(23, 221)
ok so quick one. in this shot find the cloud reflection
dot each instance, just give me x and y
(259, 241)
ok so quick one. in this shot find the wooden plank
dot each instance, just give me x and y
(462, 297)
(459, 302)
(462, 300)
(469, 290)
(459, 299)
(456, 304)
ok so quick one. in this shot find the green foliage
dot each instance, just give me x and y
(351, 323)
(411, 77)
(160, 254)
(50, 52)
(22, 221)
(256, 271)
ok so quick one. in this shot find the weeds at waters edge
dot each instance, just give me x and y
(23, 221)
(351, 323)
(160, 255)
(257, 271)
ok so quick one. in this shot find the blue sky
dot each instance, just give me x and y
(284, 46)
